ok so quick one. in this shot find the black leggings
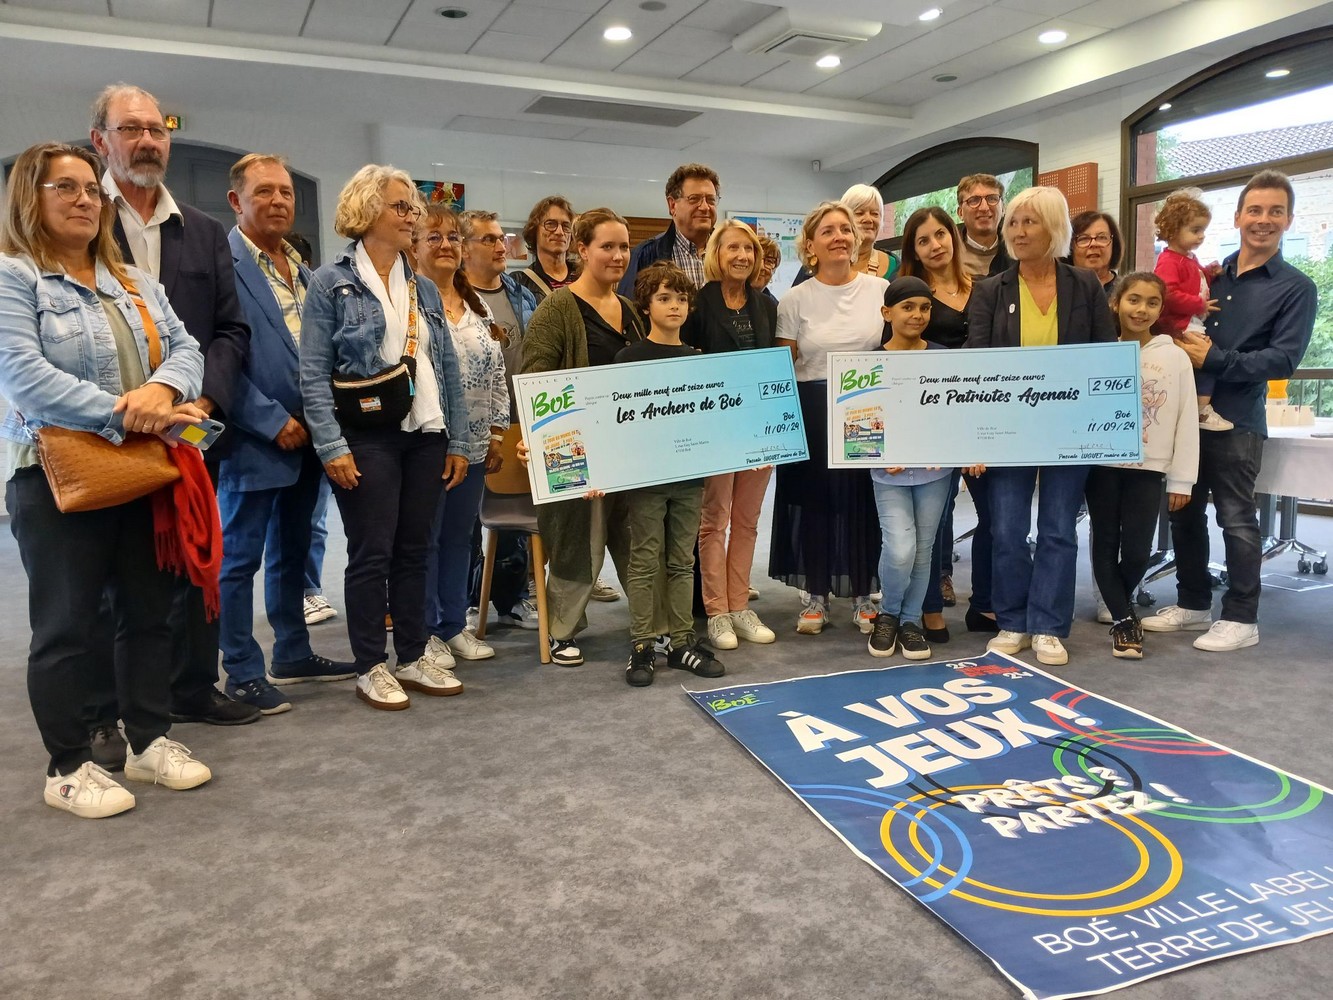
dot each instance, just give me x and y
(1123, 506)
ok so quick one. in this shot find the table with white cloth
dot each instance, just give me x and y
(1296, 464)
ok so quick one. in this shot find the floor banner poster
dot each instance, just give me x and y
(1081, 845)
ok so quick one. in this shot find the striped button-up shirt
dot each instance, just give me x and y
(291, 298)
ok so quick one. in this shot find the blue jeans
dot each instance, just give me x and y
(277, 520)
(909, 519)
(451, 556)
(1228, 467)
(941, 555)
(1034, 592)
(319, 538)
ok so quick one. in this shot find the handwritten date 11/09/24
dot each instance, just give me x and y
(1111, 425)
(788, 423)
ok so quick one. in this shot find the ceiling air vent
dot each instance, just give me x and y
(607, 111)
(796, 34)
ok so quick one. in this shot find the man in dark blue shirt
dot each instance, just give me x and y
(1264, 316)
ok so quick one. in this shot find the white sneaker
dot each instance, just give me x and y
(166, 762)
(467, 646)
(1177, 619)
(521, 615)
(863, 615)
(1009, 642)
(379, 689)
(813, 617)
(754, 594)
(1103, 612)
(1050, 650)
(1225, 637)
(603, 591)
(440, 653)
(89, 793)
(318, 610)
(748, 627)
(473, 618)
(721, 632)
(1211, 420)
(431, 674)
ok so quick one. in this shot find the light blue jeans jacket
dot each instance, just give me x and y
(58, 362)
(342, 328)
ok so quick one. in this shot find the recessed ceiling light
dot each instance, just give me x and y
(930, 15)
(1053, 37)
(617, 33)
(452, 13)
(945, 78)
(828, 62)
(1277, 74)
(652, 5)
(1164, 107)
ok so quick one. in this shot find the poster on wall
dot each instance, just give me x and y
(1080, 845)
(442, 193)
(785, 228)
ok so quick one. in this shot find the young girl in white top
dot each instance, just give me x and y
(1123, 500)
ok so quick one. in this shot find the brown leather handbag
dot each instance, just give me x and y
(87, 472)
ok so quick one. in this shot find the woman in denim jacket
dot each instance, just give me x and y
(361, 312)
(74, 353)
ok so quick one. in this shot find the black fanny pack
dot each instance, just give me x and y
(382, 400)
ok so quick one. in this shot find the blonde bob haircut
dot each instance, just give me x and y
(812, 223)
(362, 199)
(1052, 211)
(712, 252)
(24, 230)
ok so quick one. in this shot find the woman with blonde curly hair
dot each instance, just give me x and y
(825, 525)
(379, 378)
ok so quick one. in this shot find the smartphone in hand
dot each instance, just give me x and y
(200, 435)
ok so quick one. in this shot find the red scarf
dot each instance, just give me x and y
(186, 529)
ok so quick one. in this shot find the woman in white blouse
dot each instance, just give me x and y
(437, 248)
(825, 531)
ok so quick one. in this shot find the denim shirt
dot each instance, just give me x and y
(342, 328)
(58, 363)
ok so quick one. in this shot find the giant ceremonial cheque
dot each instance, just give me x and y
(618, 427)
(1080, 845)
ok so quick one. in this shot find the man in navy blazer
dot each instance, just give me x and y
(187, 252)
(270, 478)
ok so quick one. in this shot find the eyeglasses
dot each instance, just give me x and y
(695, 200)
(489, 240)
(132, 132)
(435, 240)
(1101, 240)
(70, 190)
(556, 226)
(405, 209)
(976, 200)
(772, 262)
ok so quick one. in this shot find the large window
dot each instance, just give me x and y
(931, 177)
(1269, 107)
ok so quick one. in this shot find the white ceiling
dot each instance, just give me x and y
(506, 53)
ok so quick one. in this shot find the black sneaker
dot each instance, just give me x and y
(108, 747)
(217, 710)
(698, 660)
(564, 653)
(639, 673)
(1126, 639)
(883, 635)
(913, 642)
(313, 668)
(261, 694)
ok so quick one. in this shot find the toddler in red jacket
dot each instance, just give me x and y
(1181, 224)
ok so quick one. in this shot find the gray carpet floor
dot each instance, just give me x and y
(554, 833)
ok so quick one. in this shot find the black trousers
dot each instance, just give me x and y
(509, 581)
(1228, 466)
(389, 520)
(1123, 506)
(193, 656)
(72, 562)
